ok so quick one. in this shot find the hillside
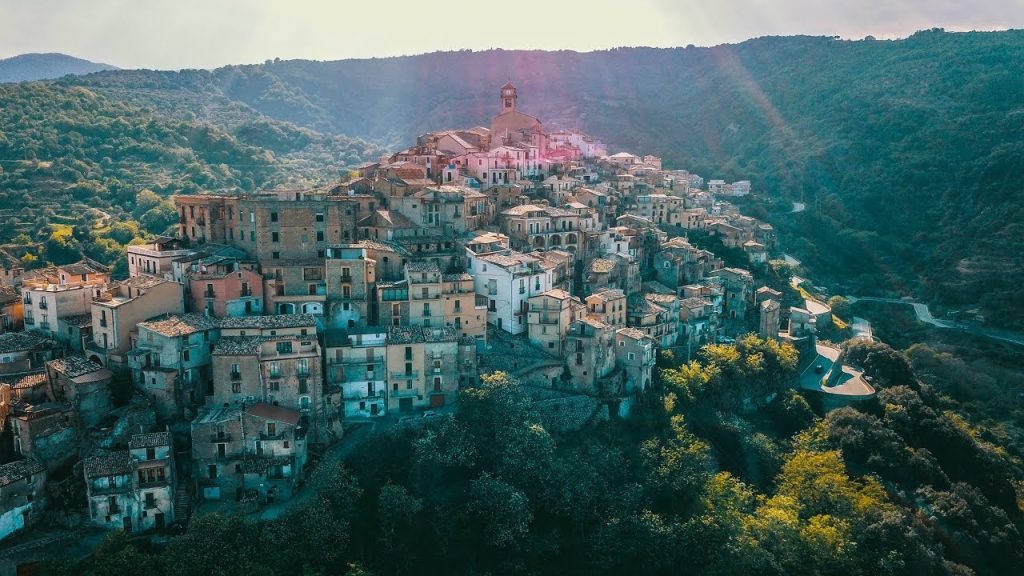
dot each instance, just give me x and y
(904, 150)
(65, 149)
(25, 67)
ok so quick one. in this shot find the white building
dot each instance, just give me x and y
(508, 280)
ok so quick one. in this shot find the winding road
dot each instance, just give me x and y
(925, 315)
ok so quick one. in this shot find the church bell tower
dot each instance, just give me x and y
(508, 97)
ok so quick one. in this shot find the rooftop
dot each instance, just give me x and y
(22, 341)
(150, 440)
(180, 325)
(108, 464)
(602, 265)
(14, 471)
(419, 334)
(74, 366)
(275, 321)
(633, 333)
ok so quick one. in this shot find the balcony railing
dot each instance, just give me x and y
(356, 360)
(405, 393)
(216, 438)
(279, 435)
(236, 375)
(406, 375)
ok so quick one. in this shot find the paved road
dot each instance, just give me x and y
(925, 315)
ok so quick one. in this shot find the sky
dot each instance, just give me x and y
(174, 34)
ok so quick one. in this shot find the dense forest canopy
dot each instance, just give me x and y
(691, 483)
(905, 151)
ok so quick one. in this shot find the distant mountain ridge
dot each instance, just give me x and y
(906, 152)
(27, 67)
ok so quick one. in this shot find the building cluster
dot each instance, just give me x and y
(271, 319)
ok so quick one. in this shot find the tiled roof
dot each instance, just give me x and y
(180, 325)
(609, 294)
(423, 266)
(602, 266)
(691, 303)
(24, 381)
(150, 440)
(238, 345)
(14, 471)
(8, 295)
(456, 277)
(275, 321)
(417, 334)
(108, 464)
(21, 341)
(74, 366)
(631, 333)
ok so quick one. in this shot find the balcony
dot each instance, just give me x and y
(356, 360)
(405, 375)
(346, 278)
(43, 305)
(279, 435)
(236, 375)
(405, 393)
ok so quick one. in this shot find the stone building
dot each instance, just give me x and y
(635, 355)
(120, 307)
(226, 288)
(355, 361)
(550, 315)
(83, 384)
(152, 457)
(22, 495)
(59, 291)
(427, 366)
(171, 364)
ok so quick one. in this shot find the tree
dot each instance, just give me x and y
(840, 307)
(502, 511)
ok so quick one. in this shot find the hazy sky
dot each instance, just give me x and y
(175, 34)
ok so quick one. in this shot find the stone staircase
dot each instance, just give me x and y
(182, 505)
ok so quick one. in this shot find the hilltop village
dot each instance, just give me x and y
(273, 322)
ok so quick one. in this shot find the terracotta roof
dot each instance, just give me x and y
(631, 333)
(74, 366)
(8, 295)
(275, 321)
(278, 413)
(180, 325)
(602, 266)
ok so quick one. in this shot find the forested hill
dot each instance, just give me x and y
(905, 150)
(42, 66)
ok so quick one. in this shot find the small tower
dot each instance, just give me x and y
(508, 97)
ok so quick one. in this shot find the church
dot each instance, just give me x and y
(512, 127)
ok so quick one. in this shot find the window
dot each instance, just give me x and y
(236, 387)
(185, 355)
(319, 236)
(275, 255)
(319, 216)
(275, 237)
(150, 453)
(273, 217)
(274, 369)
(271, 429)
(408, 354)
(632, 356)
(284, 347)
